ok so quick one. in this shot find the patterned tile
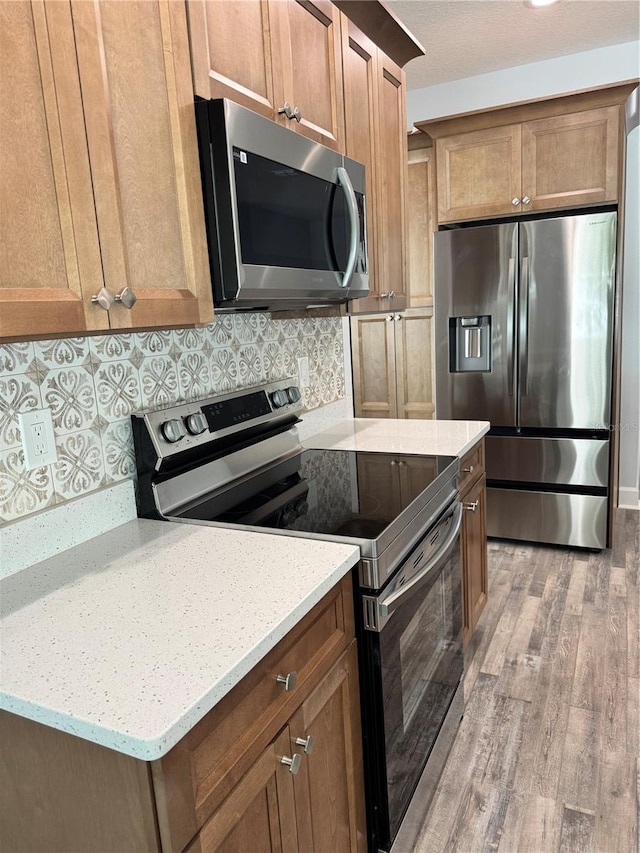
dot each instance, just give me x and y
(80, 465)
(117, 446)
(292, 351)
(111, 347)
(16, 358)
(245, 328)
(117, 390)
(221, 331)
(273, 361)
(250, 368)
(189, 340)
(194, 375)
(70, 394)
(224, 370)
(19, 393)
(22, 492)
(157, 342)
(290, 328)
(158, 381)
(65, 352)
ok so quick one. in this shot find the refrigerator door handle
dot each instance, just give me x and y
(524, 327)
(511, 326)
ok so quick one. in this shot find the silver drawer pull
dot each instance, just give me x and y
(472, 507)
(289, 680)
(307, 743)
(468, 470)
(292, 763)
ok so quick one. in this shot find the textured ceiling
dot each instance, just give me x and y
(463, 38)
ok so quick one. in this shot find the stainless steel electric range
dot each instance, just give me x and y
(235, 460)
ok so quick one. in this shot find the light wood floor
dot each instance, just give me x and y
(547, 755)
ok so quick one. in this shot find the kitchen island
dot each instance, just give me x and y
(162, 658)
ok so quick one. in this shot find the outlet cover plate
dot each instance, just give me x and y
(38, 439)
(303, 371)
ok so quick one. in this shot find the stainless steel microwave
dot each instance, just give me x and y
(285, 216)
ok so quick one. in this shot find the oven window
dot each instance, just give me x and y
(421, 666)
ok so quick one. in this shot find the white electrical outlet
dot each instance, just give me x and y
(303, 371)
(38, 440)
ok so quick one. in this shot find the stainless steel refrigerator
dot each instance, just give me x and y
(524, 327)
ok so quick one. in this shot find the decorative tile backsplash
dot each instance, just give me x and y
(92, 384)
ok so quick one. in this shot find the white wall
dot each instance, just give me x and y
(588, 70)
(580, 71)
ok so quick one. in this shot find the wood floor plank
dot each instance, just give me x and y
(632, 542)
(633, 716)
(633, 630)
(578, 783)
(616, 824)
(547, 768)
(520, 671)
(541, 826)
(618, 550)
(576, 831)
(597, 585)
(614, 725)
(588, 681)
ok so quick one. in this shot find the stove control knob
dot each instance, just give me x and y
(279, 398)
(195, 423)
(293, 394)
(172, 430)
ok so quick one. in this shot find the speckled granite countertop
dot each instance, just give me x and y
(129, 639)
(446, 438)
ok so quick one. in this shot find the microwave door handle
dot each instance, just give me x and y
(354, 221)
(388, 605)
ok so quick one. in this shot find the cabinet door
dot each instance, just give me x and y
(329, 789)
(360, 69)
(414, 364)
(373, 354)
(479, 174)
(48, 230)
(571, 160)
(421, 208)
(474, 555)
(307, 68)
(392, 180)
(259, 814)
(138, 104)
(231, 52)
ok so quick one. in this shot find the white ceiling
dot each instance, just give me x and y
(463, 38)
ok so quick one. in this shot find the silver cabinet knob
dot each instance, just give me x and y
(526, 199)
(292, 763)
(468, 470)
(306, 742)
(515, 202)
(289, 680)
(126, 297)
(471, 507)
(297, 114)
(104, 298)
(289, 113)
(389, 318)
(398, 317)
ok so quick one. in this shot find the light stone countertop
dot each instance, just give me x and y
(380, 435)
(129, 639)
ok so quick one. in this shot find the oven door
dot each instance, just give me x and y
(412, 667)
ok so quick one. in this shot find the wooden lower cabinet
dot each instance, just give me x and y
(224, 786)
(473, 494)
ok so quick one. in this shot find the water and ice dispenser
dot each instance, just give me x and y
(470, 344)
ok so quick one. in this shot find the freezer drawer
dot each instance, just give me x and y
(554, 518)
(566, 461)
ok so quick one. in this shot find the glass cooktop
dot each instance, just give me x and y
(339, 492)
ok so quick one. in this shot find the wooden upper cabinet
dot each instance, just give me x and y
(231, 52)
(100, 169)
(479, 173)
(375, 116)
(556, 161)
(138, 103)
(571, 160)
(264, 54)
(49, 249)
(421, 215)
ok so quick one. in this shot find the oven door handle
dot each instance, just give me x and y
(386, 607)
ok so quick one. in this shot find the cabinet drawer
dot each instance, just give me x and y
(471, 466)
(192, 780)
